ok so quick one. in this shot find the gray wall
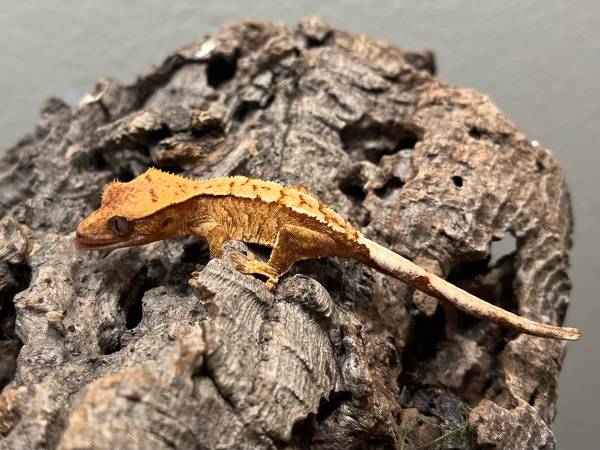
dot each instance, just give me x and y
(540, 62)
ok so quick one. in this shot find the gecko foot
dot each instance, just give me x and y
(194, 280)
(271, 283)
(249, 265)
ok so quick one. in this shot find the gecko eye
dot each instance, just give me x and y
(119, 225)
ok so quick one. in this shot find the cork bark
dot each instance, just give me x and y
(115, 350)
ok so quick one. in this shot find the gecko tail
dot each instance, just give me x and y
(410, 273)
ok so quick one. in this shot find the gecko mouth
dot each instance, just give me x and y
(94, 244)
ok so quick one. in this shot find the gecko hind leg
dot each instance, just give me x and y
(293, 243)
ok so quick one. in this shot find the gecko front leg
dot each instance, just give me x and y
(213, 233)
(293, 243)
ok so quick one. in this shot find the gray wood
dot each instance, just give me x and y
(117, 351)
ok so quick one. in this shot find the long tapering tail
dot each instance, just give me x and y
(404, 270)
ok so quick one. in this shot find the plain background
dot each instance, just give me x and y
(539, 61)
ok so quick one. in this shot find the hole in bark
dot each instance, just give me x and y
(468, 276)
(108, 338)
(130, 307)
(539, 165)
(17, 278)
(368, 139)
(475, 133)
(389, 187)
(304, 430)
(248, 107)
(134, 313)
(125, 175)
(426, 335)
(469, 270)
(408, 141)
(9, 351)
(142, 143)
(131, 298)
(353, 187)
(244, 109)
(220, 69)
(261, 251)
(98, 161)
(196, 253)
(327, 407)
(457, 180)
(313, 41)
(533, 397)
(495, 137)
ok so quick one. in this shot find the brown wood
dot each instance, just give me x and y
(115, 351)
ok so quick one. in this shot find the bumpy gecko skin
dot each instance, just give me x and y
(158, 205)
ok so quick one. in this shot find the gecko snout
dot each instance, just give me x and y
(78, 238)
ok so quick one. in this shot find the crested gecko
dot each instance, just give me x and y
(158, 205)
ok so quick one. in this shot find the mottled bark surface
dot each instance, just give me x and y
(116, 351)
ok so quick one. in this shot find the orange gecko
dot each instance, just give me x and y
(297, 226)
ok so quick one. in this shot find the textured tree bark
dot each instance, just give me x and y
(116, 351)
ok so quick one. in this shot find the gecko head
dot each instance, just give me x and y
(128, 216)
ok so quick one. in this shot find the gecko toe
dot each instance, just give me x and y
(271, 283)
(194, 281)
(251, 266)
(240, 262)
